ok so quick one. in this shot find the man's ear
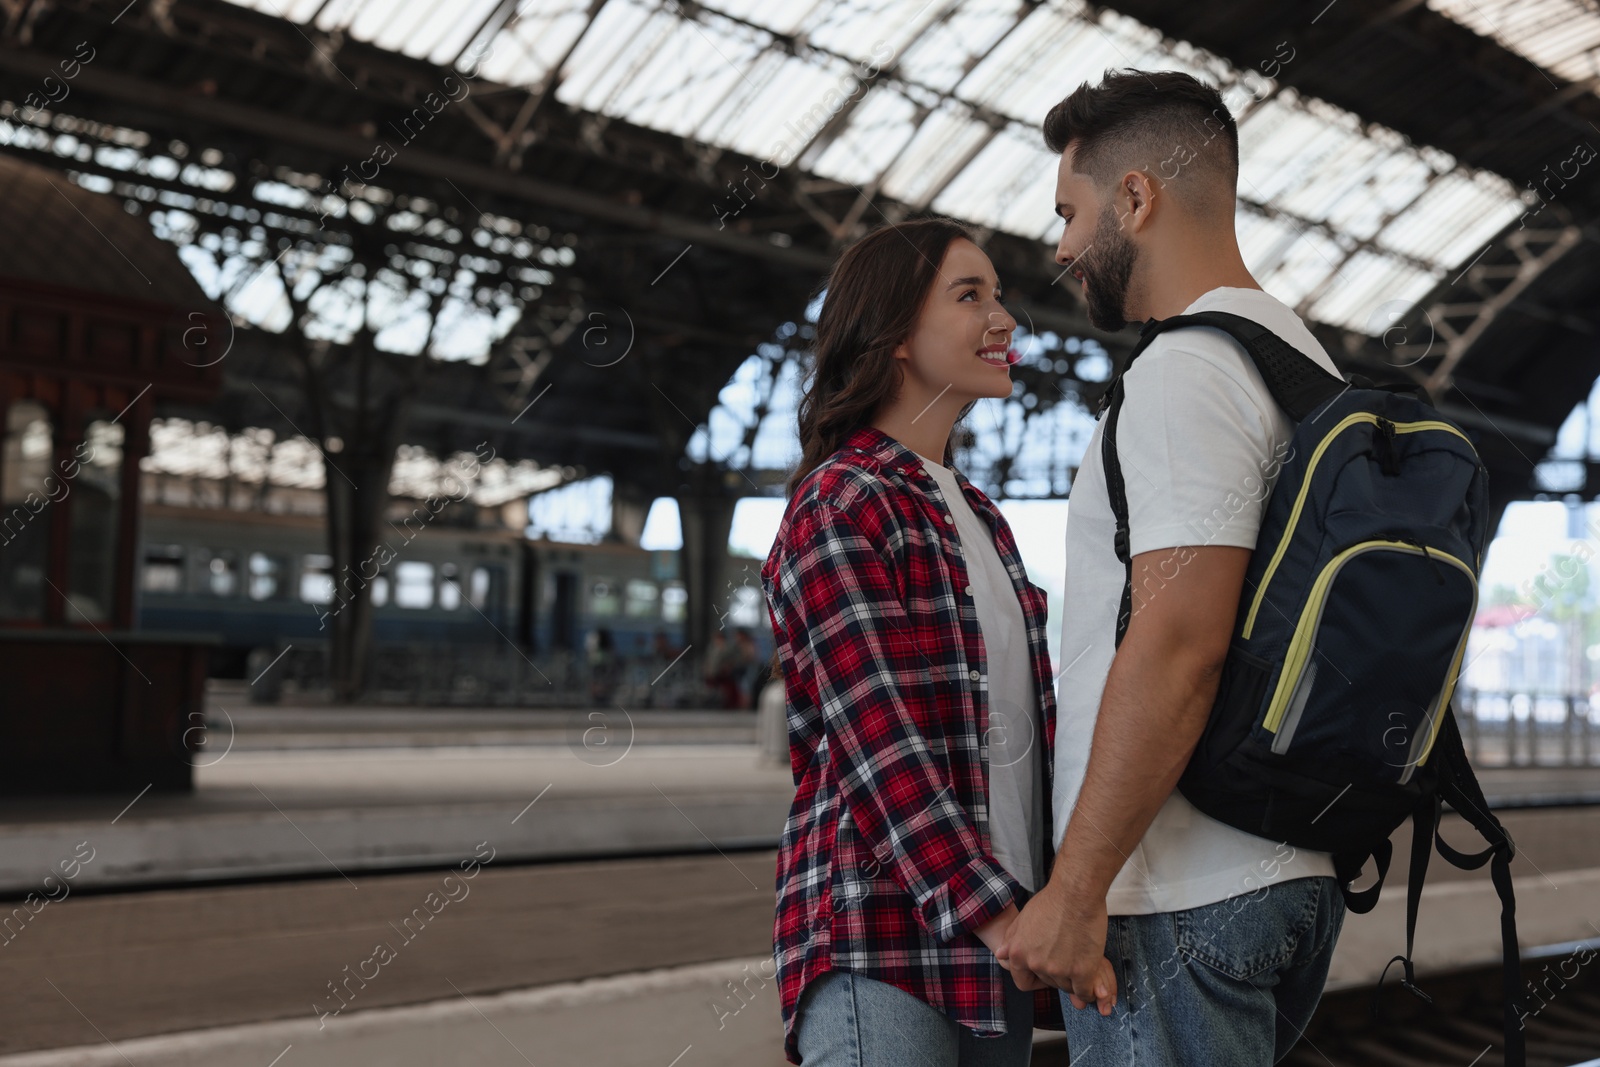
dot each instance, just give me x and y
(1138, 194)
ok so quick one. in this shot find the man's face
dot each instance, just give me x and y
(1093, 246)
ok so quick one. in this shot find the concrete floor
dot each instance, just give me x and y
(625, 962)
(125, 965)
(605, 961)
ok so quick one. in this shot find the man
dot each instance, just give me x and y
(1174, 938)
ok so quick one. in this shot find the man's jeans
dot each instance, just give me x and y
(1233, 982)
(846, 1020)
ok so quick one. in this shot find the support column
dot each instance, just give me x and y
(706, 521)
(630, 506)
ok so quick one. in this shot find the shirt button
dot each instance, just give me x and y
(969, 590)
(949, 518)
(974, 675)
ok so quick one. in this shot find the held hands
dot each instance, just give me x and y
(993, 933)
(1060, 942)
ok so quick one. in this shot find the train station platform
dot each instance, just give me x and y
(321, 792)
(621, 911)
(645, 962)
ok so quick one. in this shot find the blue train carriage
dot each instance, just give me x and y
(263, 581)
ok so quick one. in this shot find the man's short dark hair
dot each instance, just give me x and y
(1166, 123)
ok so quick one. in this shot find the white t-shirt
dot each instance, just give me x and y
(1197, 437)
(1016, 764)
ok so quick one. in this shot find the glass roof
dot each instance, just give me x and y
(1560, 36)
(951, 124)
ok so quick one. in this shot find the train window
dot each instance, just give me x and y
(603, 597)
(380, 589)
(674, 602)
(222, 574)
(478, 587)
(316, 579)
(94, 519)
(644, 599)
(163, 569)
(449, 587)
(27, 476)
(413, 584)
(267, 574)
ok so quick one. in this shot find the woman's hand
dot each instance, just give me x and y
(993, 931)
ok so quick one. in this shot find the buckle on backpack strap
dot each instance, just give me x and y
(1408, 983)
(1120, 542)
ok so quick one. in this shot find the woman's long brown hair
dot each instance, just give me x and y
(874, 295)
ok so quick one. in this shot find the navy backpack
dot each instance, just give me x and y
(1332, 722)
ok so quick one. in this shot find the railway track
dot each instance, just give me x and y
(1460, 1028)
(1463, 1024)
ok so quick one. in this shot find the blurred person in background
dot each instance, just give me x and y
(601, 655)
(747, 668)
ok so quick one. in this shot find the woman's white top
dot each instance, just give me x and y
(1016, 756)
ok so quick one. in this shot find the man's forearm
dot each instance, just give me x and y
(1154, 707)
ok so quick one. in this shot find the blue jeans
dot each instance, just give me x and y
(1233, 982)
(846, 1020)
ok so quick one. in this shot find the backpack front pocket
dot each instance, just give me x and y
(1374, 657)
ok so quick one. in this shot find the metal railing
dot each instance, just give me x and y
(1518, 729)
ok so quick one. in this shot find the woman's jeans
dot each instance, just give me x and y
(846, 1020)
(1232, 983)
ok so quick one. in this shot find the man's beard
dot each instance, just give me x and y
(1109, 269)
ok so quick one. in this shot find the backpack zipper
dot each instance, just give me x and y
(1305, 488)
(1311, 617)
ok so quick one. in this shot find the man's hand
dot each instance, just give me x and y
(993, 934)
(1058, 941)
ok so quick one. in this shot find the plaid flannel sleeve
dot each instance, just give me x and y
(871, 669)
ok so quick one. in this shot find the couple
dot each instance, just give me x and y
(961, 863)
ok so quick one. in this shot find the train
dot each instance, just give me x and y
(262, 581)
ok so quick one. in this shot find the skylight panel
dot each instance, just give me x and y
(1036, 65)
(1333, 211)
(780, 16)
(941, 54)
(607, 65)
(1561, 36)
(1010, 186)
(878, 132)
(1454, 218)
(523, 52)
(1372, 289)
(771, 118)
(1389, 183)
(393, 24)
(1282, 147)
(1289, 261)
(935, 155)
(664, 83)
(867, 29)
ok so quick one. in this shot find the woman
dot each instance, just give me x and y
(919, 692)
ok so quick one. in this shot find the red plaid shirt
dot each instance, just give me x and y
(885, 866)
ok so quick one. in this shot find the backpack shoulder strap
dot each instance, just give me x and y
(1424, 827)
(1297, 382)
(1459, 786)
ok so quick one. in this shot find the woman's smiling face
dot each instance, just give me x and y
(959, 349)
